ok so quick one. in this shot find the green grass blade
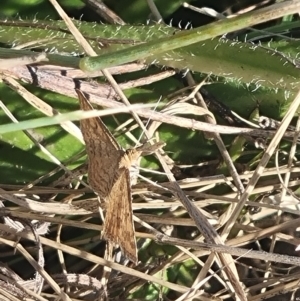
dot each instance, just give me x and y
(189, 37)
(77, 115)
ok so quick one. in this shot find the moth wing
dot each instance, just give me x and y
(118, 225)
(97, 124)
(104, 152)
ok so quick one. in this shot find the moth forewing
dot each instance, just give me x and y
(104, 132)
(118, 225)
(102, 149)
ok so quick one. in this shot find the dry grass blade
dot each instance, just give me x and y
(93, 258)
(42, 106)
(31, 260)
(265, 159)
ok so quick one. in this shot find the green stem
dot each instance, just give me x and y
(185, 38)
(241, 62)
(54, 59)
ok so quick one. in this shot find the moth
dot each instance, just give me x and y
(109, 177)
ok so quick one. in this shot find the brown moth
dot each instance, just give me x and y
(108, 175)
